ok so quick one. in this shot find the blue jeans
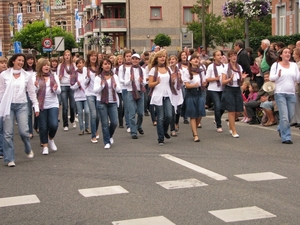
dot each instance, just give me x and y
(29, 103)
(109, 120)
(83, 105)
(1, 136)
(125, 104)
(94, 114)
(286, 107)
(135, 107)
(216, 97)
(48, 124)
(67, 96)
(20, 111)
(164, 117)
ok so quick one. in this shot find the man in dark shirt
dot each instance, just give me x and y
(242, 57)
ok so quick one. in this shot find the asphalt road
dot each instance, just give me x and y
(55, 184)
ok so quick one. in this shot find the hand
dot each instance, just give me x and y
(36, 83)
(78, 82)
(141, 80)
(244, 75)
(115, 85)
(60, 76)
(218, 78)
(37, 114)
(54, 87)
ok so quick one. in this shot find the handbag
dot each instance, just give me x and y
(254, 69)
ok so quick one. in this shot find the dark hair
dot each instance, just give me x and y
(30, 56)
(260, 50)
(230, 53)
(280, 52)
(195, 55)
(280, 44)
(239, 43)
(126, 52)
(14, 57)
(179, 55)
(101, 64)
(79, 60)
(191, 51)
(249, 50)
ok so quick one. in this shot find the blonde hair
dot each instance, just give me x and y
(40, 63)
(158, 54)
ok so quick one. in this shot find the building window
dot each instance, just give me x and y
(38, 6)
(155, 13)
(188, 16)
(62, 24)
(29, 10)
(281, 26)
(11, 8)
(79, 2)
(20, 7)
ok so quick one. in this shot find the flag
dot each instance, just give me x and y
(11, 24)
(19, 21)
(77, 25)
(47, 13)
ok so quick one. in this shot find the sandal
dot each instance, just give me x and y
(196, 138)
(199, 125)
(268, 124)
(173, 134)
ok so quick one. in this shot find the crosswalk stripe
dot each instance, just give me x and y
(158, 220)
(101, 191)
(260, 176)
(241, 214)
(19, 200)
(194, 167)
(177, 184)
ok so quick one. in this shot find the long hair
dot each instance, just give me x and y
(14, 57)
(154, 61)
(179, 56)
(39, 67)
(88, 56)
(71, 60)
(195, 55)
(30, 56)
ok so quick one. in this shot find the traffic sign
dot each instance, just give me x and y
(47, 49)
(47, 43)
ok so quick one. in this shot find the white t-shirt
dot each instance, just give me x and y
(213, 85)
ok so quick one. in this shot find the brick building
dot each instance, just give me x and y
(62, 14)
(285, 17)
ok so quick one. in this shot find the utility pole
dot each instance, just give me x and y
(203, 24)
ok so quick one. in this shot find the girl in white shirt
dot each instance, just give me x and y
(14, 82)
(232, 99)
(106, 87)
(48, 88)
(77, 84)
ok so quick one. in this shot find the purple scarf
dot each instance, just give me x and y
(70, 71)
(42, 88)
(74, 78)
(186, 63)
(229, 73)
(175, 70)
(216, 72)
(104, 93)
(198, 71)
(135, 92)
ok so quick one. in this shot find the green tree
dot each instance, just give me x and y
(31, 36)
(162, 40)
(261, 27)
(213, 28)
(232, 29)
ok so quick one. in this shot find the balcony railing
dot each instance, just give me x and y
(88, 27)
(109, 23)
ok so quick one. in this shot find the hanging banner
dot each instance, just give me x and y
(19, 21)
(47, 13)
(95, 3)
(77, 25)
(11, 24)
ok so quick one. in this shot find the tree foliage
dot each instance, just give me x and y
(31, 36)
(162, 40)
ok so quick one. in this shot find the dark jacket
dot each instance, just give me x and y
(271, 56)
(244, 60)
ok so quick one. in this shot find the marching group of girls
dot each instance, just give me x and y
(106, 90)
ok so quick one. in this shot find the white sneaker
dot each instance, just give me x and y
(74, 125)
(97, 136)
(52, 145)
(45, 151)
(30, 155)
(111, 140)
(11, 164)
(1, 156)
(128, 130)
(66, 128)
(107, 146)
(94, 141)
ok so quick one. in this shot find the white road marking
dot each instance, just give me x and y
(101, 191)
(158, 220)
(186, 183)
(194, 167)
(241, 214)
(19, 200)
(260, 176)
